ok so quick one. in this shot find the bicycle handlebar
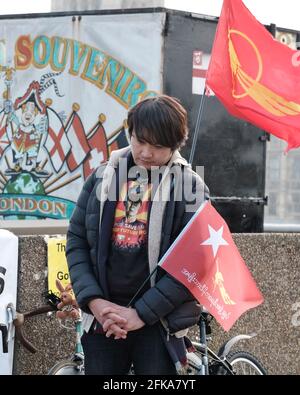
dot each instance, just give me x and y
(20, 318)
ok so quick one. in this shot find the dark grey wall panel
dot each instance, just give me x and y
(231, 150)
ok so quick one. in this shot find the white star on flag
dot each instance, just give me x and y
(215, 240)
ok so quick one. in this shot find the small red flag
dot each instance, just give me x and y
(206, 260)
(256, 77)
(77, 137)
(98, 150)
(3, 138)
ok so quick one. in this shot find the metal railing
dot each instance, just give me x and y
(35, 227)
(282, 228)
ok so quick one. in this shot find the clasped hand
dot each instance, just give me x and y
(116, 320)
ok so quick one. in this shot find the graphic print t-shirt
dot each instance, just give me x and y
(128, 259)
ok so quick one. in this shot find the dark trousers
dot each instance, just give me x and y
(143, 348)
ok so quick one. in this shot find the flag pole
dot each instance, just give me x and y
(142, 286)
(168, 251)
(197, 127)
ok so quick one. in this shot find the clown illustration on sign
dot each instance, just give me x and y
(33, 135)
(27, 134)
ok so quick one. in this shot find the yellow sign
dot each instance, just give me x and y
(57, 263)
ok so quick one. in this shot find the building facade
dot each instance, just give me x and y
(85, 5)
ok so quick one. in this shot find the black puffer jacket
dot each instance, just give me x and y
(167, 299)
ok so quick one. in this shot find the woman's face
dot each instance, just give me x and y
(147, 155)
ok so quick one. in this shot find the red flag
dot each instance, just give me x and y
(78, 140)
(118, 140)
(254, 76)
(57, 143)
(205, 259)
(3, 138)
(98, 150)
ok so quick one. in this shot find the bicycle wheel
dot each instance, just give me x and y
(64, 368)
(243, 363)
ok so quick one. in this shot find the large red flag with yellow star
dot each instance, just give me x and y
(254, 76)
(206, 260)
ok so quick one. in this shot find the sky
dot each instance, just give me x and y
(282, 13)
(24, 6)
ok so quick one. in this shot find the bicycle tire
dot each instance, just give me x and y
(65, 368)
(243, 363)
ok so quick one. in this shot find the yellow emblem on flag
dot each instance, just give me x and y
(219, 282)
(270, 101)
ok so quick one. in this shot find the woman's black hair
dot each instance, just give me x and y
(159, 120)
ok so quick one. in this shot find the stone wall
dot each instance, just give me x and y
(274, 262)
(45, 332)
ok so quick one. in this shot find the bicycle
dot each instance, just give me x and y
(74, 365)
(201, 361)
(204, 361)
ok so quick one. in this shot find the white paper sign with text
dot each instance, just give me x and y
(8, 294)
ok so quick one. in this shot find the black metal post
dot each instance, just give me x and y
(197, 128)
